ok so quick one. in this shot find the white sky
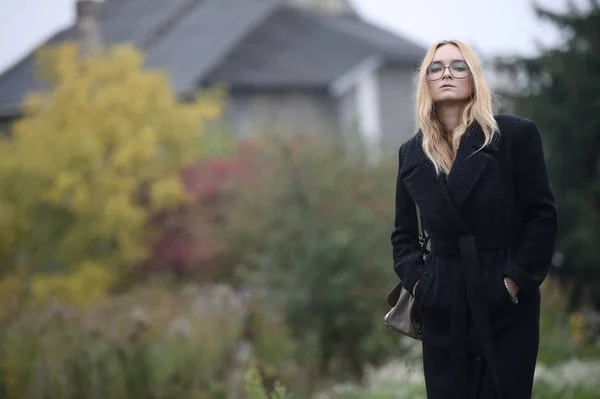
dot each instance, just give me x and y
(491, 26)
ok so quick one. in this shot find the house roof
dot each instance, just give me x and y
(291, 49)
(245, 43)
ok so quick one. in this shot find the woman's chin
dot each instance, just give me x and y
(449, 98)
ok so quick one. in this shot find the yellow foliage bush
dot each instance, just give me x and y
(93, 158)
(86, 285)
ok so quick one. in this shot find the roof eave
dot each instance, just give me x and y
(10, 112)
(349, 79)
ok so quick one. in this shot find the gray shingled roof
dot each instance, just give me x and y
(292, 48)
(394, 47)
(131, 21)
(20, 79)
(250, 43)
(199, 40)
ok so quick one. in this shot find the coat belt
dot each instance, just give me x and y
(467, 290)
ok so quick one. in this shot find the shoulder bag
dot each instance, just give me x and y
(402, 317)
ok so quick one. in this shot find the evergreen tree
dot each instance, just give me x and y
(560, 90)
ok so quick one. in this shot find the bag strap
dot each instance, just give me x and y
(422, 237)
(419, 222)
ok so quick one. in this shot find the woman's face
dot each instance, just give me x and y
(448, 75)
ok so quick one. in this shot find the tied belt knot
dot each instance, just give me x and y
(468, 291)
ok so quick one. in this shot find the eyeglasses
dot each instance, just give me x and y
(458, 70)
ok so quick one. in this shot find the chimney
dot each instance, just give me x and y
(87, 26)
(326, 6)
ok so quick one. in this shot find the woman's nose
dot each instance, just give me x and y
(447, 73)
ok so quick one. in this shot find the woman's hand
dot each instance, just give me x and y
(513, 288)
(414, 290)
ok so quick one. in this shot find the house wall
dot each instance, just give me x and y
(348, 113)
(397, 106)
(290, 112)
(358, 116)
(380, 106)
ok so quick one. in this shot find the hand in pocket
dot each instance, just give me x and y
(512, 287)
(414, 290)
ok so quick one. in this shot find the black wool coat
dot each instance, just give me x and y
(494, 215)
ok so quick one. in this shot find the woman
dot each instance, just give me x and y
(481, 185)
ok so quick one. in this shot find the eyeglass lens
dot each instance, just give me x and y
(458, 70)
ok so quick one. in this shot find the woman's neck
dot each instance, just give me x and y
(449, 114)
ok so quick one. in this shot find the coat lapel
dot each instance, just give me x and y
(444, 199)
(428, 190)
(470, 163)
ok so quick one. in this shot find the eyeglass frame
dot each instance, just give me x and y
(447, 67)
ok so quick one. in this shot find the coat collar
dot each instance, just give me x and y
(430, 191)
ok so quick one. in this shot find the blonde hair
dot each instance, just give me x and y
(440, 148)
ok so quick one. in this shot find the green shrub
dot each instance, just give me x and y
(150, 343)
(255, 388)
(315, 233)
(563, 334)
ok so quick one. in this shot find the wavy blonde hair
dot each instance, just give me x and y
(439, 145)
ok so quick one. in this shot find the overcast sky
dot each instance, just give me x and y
(491, 26)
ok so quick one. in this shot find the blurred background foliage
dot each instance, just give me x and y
(147, 254)
(86, 169)
(559, 89)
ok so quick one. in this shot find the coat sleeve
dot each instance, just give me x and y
(408, 262)
(532, 259)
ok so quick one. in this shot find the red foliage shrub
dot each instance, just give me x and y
(189, 239)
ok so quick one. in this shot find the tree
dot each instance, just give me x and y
(560, 90)
(95, 156)
(192, 240)
(312, 235)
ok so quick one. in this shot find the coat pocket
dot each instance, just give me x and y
(507, 298)
(423, 286)
(498, 295)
